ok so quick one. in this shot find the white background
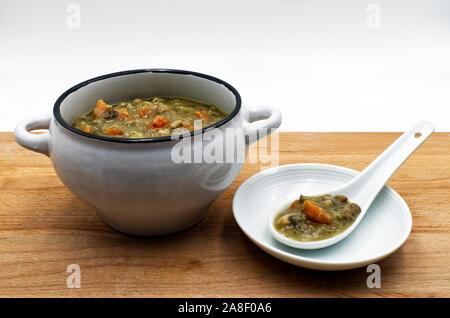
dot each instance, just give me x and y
(327, 65)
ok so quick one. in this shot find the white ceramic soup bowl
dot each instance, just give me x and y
(134, 184)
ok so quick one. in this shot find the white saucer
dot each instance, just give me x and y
(384, 228)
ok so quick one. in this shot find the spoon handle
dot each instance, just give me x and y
(372, 179)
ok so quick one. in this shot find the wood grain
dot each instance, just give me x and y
(44, 228)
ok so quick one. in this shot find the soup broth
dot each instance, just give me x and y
(313, 218)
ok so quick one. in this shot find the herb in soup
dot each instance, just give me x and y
(147, 118)
(313, 218)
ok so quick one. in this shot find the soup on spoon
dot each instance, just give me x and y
(323, 219)
(312, 218)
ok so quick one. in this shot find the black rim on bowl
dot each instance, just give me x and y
(62, 122)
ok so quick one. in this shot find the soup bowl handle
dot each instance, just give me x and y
(260, 122)
(35, 142)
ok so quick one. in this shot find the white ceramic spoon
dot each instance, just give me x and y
(363, 189)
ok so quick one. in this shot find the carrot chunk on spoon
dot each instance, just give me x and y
(316, 213)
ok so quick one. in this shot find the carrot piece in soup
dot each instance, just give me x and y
(88, 130)
(100, 108)
(203, 115)
(123, 114)
(187, 124)
(316, 213)
(113, 131)
(143, 112)
(159, 122)
(295, 204)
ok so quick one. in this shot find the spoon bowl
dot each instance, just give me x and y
(364, 188)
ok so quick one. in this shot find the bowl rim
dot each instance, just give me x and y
(311, 262)
(57, 111)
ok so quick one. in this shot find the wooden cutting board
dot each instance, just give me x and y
(44, 228)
